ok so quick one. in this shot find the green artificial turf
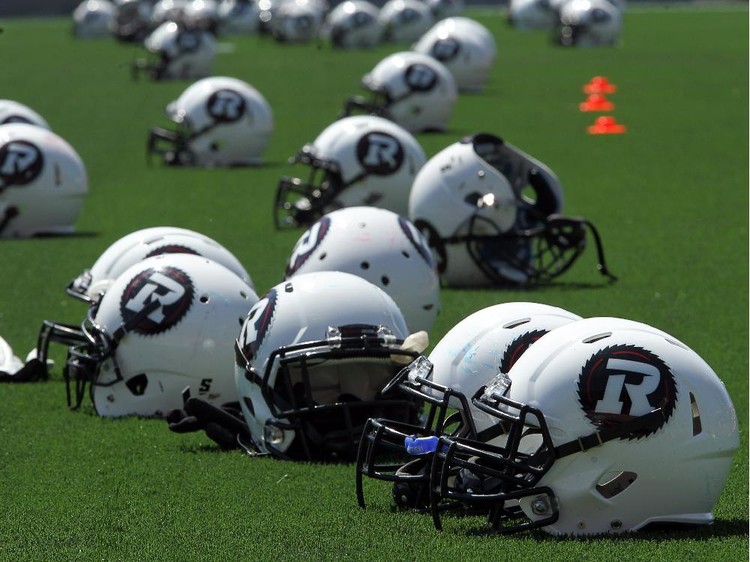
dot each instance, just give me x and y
(670, 199)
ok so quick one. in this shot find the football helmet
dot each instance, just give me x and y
(238, 17)
(166, 323)
(92, 282)
(526, 15)
(168, 10)
(377, 245)
(404, 21)
(442, 9)
(14, 112)
(176, 52)
(353, 24)
(43, 182)
(468, 357)
(588, 23)
(92, 19)
(297, 21)
(465, 47)
(412, 89)
(201, 14)
(594, 417)
(490, 214)
(132, 21)
(220, 121)
(355, 161)
(312, 358)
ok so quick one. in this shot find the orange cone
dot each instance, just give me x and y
(606, 125)
(599, 85)
(596, 102)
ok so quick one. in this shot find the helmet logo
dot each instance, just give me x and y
(167, 292)
(380, 153)
(420, 77)
(361, 19)
(188, 41)
(226, 106)
(302, 23)
(21, 162)
(256, 324)
(623, 382)
(307, 244)
(171, 249)
(518, 347)
(407, 15)
(417, 240)
(445, 50)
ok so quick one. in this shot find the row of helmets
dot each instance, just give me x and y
(523, 412)
(350, 24)
(482, 211)
(573, 23)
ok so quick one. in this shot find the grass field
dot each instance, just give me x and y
(670, 199)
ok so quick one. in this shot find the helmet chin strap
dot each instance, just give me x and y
(629, 429)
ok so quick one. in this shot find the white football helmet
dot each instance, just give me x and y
(168, 10)
(355, 161)
(92, 282)
(526, 15)
(468, 357)
(404, 21)
(15, 112)
(201, 14)
(238, 17)
(353, 24)
(166, 323)
(588, 23)
(132, 22)
(442, 9)
(465, 47)
(412, 89)
(92, 19)
(312, 358)
(600, 418)
(377, 245)
(220, 121)
(177, 52)
(490, 214)
(43, 182)
(297, 21)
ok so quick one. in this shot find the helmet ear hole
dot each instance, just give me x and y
(137, 384)
(612, 484)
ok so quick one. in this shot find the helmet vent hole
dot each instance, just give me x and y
(385, 280)
(204, 299)
(405, 254)
(214, 147)
(322, 256)
(428, 306)
(365, 265)
(697, 425)
(597, 337)
(516, 323)
(614, 483)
